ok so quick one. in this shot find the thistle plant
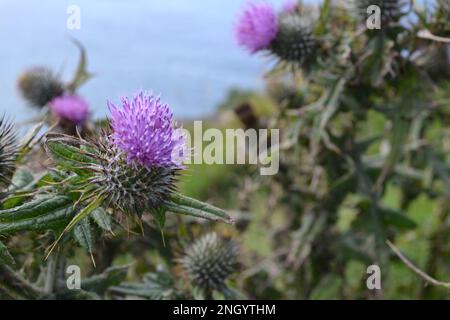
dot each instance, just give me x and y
(209, 262)
(39, 86)
(286, 35)
(132, 168)
(365, 148)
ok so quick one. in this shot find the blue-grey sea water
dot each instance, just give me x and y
(181, 49)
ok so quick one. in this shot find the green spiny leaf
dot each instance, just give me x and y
(102, 219)
(53, 220)
(37, 207)
(83, 234)
(186, 205)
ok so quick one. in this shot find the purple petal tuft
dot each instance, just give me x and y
(71, 108)
(257, 27)
(144, 129)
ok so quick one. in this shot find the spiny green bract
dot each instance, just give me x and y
(294, 42)
(128, 187)
(8, 151)
(39, 86)
(209, 261)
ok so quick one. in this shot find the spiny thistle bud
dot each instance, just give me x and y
(39, 86)
(294, 42)
(70, 108)
(390, 10)
(130, 187)
(210, 261)
(8, 151)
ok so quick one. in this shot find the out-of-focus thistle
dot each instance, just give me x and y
(295, 42)
(257, 27)
(8, 151)
(287, 35)
(70, 108)
(39, 86)
(390, 10)
(210, 261)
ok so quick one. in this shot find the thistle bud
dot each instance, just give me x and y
(39, 86)
(210, 261)
(294, 42)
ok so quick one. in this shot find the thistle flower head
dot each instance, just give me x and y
(70, 108)
(8, 150)
(39, 86)
(295, 42)
(143, 128)
(257, 27)
(210, 261)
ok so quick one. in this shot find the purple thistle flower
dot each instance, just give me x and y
(257, 27)
(144, 129)
(71, 108)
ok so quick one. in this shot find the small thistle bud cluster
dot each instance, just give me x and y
(39, 86)
(8, 151)
(210, 261)
(390, 10)
(287, 35)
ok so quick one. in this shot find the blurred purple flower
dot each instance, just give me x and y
(289, 6)
(257, 27)
(144, 129)
(71, 108)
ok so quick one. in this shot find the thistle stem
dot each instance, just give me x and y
(15, 283)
